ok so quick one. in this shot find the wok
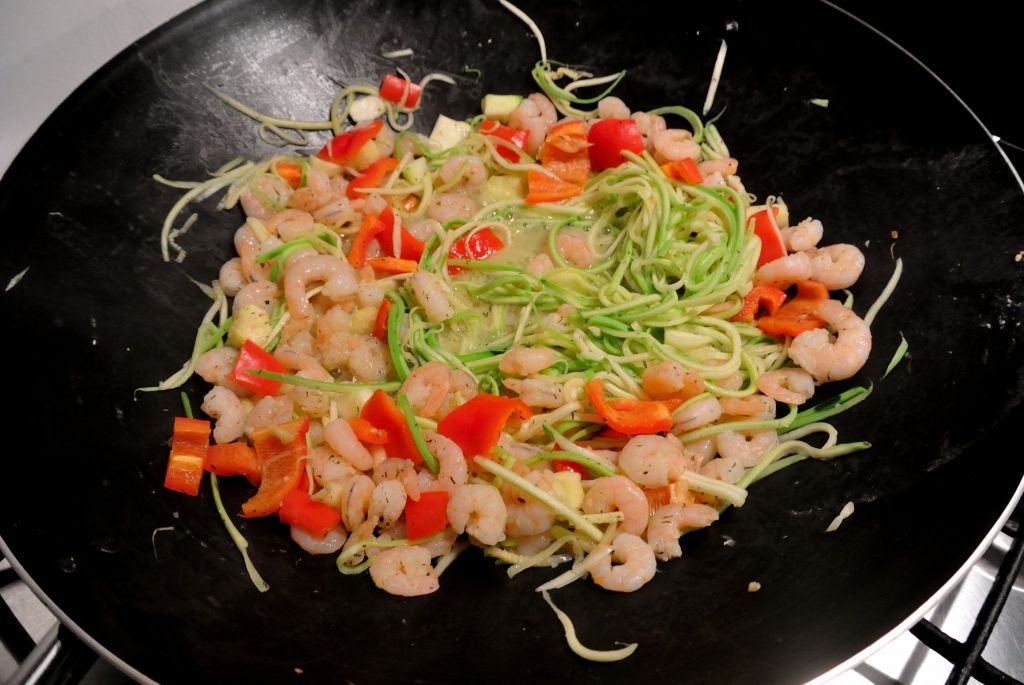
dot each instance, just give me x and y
(99, 314)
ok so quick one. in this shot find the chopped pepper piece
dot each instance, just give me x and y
(636, 417)
(254, 357)
(508, 135)
(609, 137)
(476, 426)
(543, 188)
(371, 178)
(302, 511)
(772, 246)
(233, 459)
(479, 245)
(426, 516)
(799, 314)
(565, 152)
(365, 431)
(380, 411)
(188, 450)
(393, 87)
(343, 148)
(280, 450)
(762, 297)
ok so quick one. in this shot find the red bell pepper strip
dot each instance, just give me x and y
(343, 148)
(393, 265)
(412, 248)
(188, 450)
(508, 135)
(393, 87)
(772, 246)
(252, 356)
(233, 459)
(290, 173)
(366, 432)
(542, 188)
(762, 297)
(684, 170)
(638, 418)
(371, 178)
(476, 425)
(372, 227)
(380, 326)
(609, 137)
(566, 465)
(799, 315)
(480, 245)
(380, 411)
(565, 152)
(281, 451)
(302, 511)
(426, 516)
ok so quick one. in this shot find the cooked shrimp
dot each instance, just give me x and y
(293, 360)
(469, 167)
(423, 229)
(673, 145)
(756, 407)
(526, 361)
(573, 246)
(700, 452)
(355, 500)
(363, 533)
(445, 207)
(480, 511)
(727, 166)
(298, 255)
(272, 188)
(540, 265)
(442, 545)
(336, 274)
(726, 469)
(342, 439)
(329, 544)
(612, 107)
(231, 278)
(328, 467)
(430, 295)
(387, 502)
(746, 446)
(215, 365)
(618, 493)
(537, 115)
(339, 214)
(223, 405)
(785, 271)
(833, 360)
(263, 294)
(370, 362)
(269, 411)
(696, 415)
(318, 192)
(804, 236)
(527, 516)
(248, 248)
(452, 470)
(287, 225)
(464, 387)
(385, 140)
(401, 470)
(836, 266)
(311, 402)
(537, 393)
(670, 380)
(404, 571)
(427, 387)
(635, 567)
(667, 523)
(790, 385)
(653, 461)
(370, 295)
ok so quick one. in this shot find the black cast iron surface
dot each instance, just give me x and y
(99, 314)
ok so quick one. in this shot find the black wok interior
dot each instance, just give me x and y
(99, 314)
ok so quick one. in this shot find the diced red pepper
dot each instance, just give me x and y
(365, 431)
(542, 188)
(412, 248)
(372, 228)
(480, 245)
(772, 246)
(382, 412)
(566, 465)
(290, 173)
(393, 87)
(658, 497)
(476, 425)
(393, 265)
(281, 451)
(371, 178)
(252, 356)
(684, 170)
(762, 297)
(233, 459)
(798, 315)
(188, 450)
(380, 326)
(609, 137)
(637, 418)
(302, 511)
(507, 134)
(343, 148)
(565, 152)
(426, 516)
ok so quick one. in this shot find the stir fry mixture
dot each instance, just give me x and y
(562, 335)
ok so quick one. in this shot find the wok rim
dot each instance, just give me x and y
(832, 673)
